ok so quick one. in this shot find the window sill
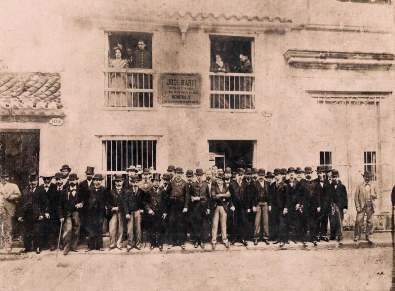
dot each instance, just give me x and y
(233, 110)
(107, 108)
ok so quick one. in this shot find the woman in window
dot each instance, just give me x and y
(219, 65)
(117, 80)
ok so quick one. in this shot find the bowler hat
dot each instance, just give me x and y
(73, 177)
(299, 170)
(283, 171)
(269, 175)
(156, 177)
(33, 176)
(97, 177)
(146, 171)
(118, 177)
(65, 167)
(228, 170)
(166, 177)
(367, 174)
(335, 173)
(328, 168)
(179, 170)
(308, 170)
(58, 175)
(131, 168)
(90, 170)
(241, 171)
(254, 171)
(248, 171)
(261, 172)
(277, 171)
(291, 170)
(320, 169)
(171, 168)
(189, 173)
(199, 172)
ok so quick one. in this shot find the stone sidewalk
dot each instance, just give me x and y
(380, 239)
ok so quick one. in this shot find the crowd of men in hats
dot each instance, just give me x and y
(243, 205)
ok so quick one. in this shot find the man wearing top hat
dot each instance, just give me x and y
(95, 212)
(261, 208)
(302, 206)
(178, 208)
(280, 204)
(199, 210)
(314, 204)
(339, 206)
(48, 189)
(272, 206)
(32, 213)
(116, 212)
(156, 208)
(171, 171)
(70, 205)
(9, 197)
(365, 194)
(322, 194)
(133, 206)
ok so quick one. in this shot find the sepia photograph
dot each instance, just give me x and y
(189, 145)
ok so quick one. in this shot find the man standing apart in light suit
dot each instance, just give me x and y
(365, 195)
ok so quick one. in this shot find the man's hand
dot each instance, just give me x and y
(61, 219)
(114, 209)
(127, 216)
(248, 210)
(79, 205)
(232, 208)
(285, 211)
(297, 206)
(270, 208)
(40, 217)
(254, 209)
(208, 211)
(20, 219)
(47, 216)
(318, 209)
(164, 215)
(185, 210)
(150, 212)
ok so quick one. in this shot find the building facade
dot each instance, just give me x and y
(194, 84)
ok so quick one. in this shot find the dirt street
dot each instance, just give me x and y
(359, 269)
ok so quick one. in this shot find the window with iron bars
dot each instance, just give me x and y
(120, 154)
(128, 74)
(232, 79)
(369, 163)
(326, 158)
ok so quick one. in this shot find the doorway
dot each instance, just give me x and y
(19, 154)
(231, 153)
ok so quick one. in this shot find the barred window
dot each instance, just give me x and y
(326, 158)
(128, 75)
(232, 81)
(368, 1)
(120, 154)
(369, 163)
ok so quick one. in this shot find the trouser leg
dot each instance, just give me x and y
(113, 229)
(257, 227)
(37, 234)
(137, 226)
(265, 217)
(283, 228)
(369, 221)
(223, 220)
(76, 224)
(358, 225)
(6, 230)
(28, 231)
(131, 230)
(67, 232)
(214, 230)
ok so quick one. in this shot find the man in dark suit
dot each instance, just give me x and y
(314, 202)
(32, 212)
(281, 201)
(339, 206)
(52, 224)
(156, 207)
(70, 205)
(142, 57)
(134, 206)
(199, 210)
(302, 207)
(261, 208)
(321, 190)
(291, 203)
(178, 208)
(65, 170)
(84, 188)
(95, 212)
(273, 207)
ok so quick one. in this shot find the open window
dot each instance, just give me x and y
(129, 76)
(231, 73)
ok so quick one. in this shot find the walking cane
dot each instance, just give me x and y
(60, 233)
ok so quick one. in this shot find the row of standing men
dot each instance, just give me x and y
(246, 205)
